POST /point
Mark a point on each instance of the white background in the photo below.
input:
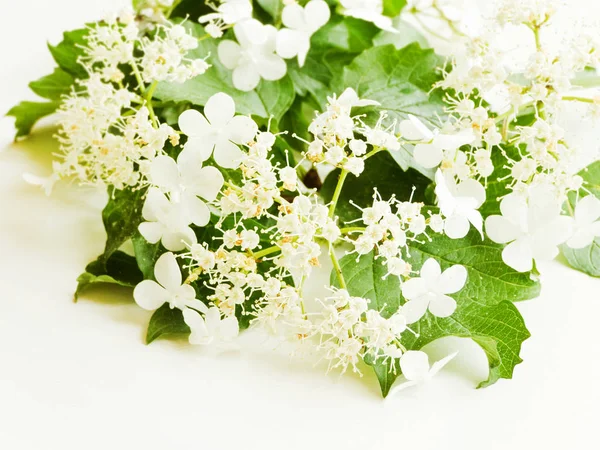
(78, 376)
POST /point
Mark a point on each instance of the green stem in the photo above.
(349, 230)
(574, 98)
(337, 192)
(138, 77)
(149, 94)
(337, 268)
(169, 11)
(373, 152)
(266, 251)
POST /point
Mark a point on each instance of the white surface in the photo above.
(78, 376)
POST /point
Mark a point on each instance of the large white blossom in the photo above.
(218, 132)
(301, 23)
(458, 204)
(185, 181)
(416, 370)
(370, 11)
(430, 291)
(531, 226)
(586, 226)
(253, 56)
(166, 221)
(211, 327)
(167, 288)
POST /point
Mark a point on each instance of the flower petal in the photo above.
(288, 43)
(414, 288)
(414, 129)
(193, 123)
(452, 280)
(246, 77)
(518, 255)
(428, 155)
(241, 129)
(167, 272)
(430, 271)
(587, 210)
(150, 295)
(271, 67)
(219, 109)
(205, 182)
(156, 205)
(151, 231)
(438, 365)
(202, 146)
(500, 230)
(229, 328)
(230, 53)
(414, 365)
(472, 189)
(456, 226)
(581, 238)
(164, 173)
(293, 16)
(442, 306)
(196, 208)
(227, 154)
(317, 14)
(414, 309)
(179, 240)
(199, 332)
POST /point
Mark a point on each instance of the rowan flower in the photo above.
(430, 291)
(253, 56)
(587, 222)
(218, 132)
(301, 24)
(167, 288)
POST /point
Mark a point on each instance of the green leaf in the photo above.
(381, 172)
(496, 185)
(270, 98)
(407, 34)
(586, 259)
(273, 7)
(400, 80)
(120, 269)
(484, 313)
(69, 50)
(166, 322)
(26, 114)
(146, 255)
(53, 86)
(121, 217)
(393, 7)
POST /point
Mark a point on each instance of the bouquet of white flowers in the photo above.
(243, 142)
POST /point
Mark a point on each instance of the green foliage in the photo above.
(146, 254)
(382, 173)
(485, 312)
(120, 268)
(586, 259)
(400, 80)
(26, 114)
(273, 7)
(270, 98)
(121, 217)
(166, 322)
(53, 86)
(393, 7)
(67, 52)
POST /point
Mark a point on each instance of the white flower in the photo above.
(459, 204)
(254, 57)
(370, 11)
(229, 12)
(415, 368)
(219, 132)
(430, 291)
(301, 23)
(167, 288)
(187, 180)
(166, 221)
(210, 328)
(532, 227)
(586, 223)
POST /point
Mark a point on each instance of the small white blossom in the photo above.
(415, 368)
(370, 11)
(167, 288)
(586, 226)
(211, 328)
